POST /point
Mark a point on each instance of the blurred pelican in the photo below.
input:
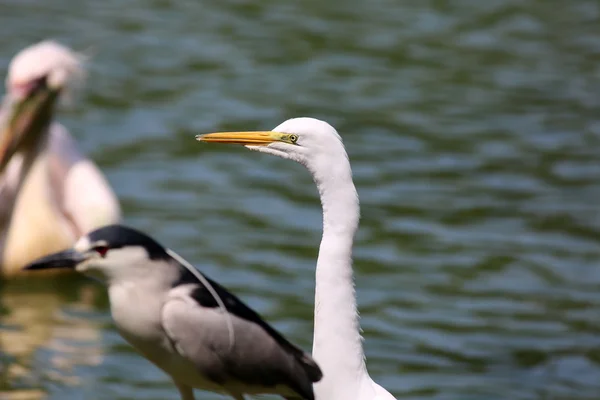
(50, 194)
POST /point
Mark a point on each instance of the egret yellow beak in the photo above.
(250, 138)
(258, 138)
(26, 122)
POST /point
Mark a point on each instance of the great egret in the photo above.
(337, 344)
(50, 194)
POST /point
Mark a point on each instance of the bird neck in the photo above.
(337, 344)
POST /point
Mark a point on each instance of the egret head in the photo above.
(309, 141)
(37, 76)
(111, 253)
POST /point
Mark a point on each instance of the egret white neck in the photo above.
(337, 345)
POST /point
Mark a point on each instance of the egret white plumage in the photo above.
(192, 328)
(50, 193)
(337, 345)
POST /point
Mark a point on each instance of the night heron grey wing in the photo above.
(257, 359)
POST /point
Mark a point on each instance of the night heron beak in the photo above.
(68, 259)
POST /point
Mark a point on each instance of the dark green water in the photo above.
(474, 134)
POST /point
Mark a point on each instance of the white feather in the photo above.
(337, 344)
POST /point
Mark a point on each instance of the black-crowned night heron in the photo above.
(50, 194)
(337, 345)
(192, 328)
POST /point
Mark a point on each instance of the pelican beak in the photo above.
(27, 120)
(250, 138)
(64, 259)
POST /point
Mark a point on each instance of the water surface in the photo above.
(474, 137)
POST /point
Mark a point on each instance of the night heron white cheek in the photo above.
(50, 193)
(192, 328)
(337, 343)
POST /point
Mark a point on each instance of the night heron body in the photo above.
(337, 342)
(196, 331)
(50, 193)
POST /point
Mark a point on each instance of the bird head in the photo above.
(309, 141)
(37, 76)
(111, 253)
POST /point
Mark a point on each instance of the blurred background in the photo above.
(474, 136)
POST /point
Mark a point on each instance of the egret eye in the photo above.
(102, 250)
(293, 138)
